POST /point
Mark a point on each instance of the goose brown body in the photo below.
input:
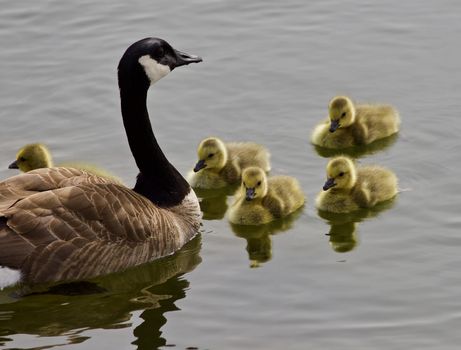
(59, 224)
(66, 224)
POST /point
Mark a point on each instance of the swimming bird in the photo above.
(221, 164)
(351, 125)
(261, 200)
(66, 224)
(32, 156)
(37, 155)
(349, 188)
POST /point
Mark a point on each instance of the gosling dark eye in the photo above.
(343, 115)
(341, 174)
(259, 183)
(22, 159)
(211, 155)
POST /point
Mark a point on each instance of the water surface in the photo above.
(387, 279)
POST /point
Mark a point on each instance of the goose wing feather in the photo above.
(61, 224)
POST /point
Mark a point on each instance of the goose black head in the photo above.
(150, 59)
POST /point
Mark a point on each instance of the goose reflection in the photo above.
(213, 203)
(358, 151)
(107, 302)
(258, 237)
(343, 235)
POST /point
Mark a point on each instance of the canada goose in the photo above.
(221, 164)
(67, 224)
(37, 155)
(351, 125)
(261, 200)
(349, 188)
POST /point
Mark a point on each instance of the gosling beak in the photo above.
(250, 194)
(200, 165)
(13, 165)
(329, 184)
(183, 58)
(334, 125)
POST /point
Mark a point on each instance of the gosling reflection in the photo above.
(343, 235)
(258, 237)
(213, 203)
(50, 311)
(259, 244)
(358, 151)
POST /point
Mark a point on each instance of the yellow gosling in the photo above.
(221, 164)
(261, 200)
(351, 125)
(349, 188)
(36, 155)
(32, 156)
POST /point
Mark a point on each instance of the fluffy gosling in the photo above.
(261, 200)
(221, 164)
(37, 155)
(349, 188)
(351, 125)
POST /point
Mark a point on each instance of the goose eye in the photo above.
(343, 115)
(160, 52)
(211, 155)
(22, 159)
(259, 183)
(341, 174)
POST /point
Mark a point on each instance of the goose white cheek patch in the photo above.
(154, 70)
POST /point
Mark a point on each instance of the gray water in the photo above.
(388, 279)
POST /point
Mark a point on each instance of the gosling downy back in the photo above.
(261, 200)
(221, 164)
(67, 224)
(349, 188)
(350, 125)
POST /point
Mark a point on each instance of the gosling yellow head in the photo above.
(32, 156)
(341, 111)
(341, 174)
(254, 183)
(212, 154)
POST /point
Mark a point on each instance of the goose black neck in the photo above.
(157, 180)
